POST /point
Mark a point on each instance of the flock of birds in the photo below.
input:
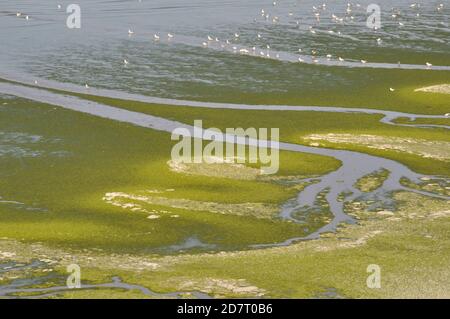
(275, 19)
(317, 11)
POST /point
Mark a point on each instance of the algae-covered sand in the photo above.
(90, 190)
(410, 246)
(147, 205)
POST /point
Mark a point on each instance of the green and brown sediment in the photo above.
(372, 181)
(98, 229)
(410, 245)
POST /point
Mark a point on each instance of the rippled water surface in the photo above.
(183, 67)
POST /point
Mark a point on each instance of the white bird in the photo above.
(340, 59)
(391, 89)
(130, 32)
(363, 61)
(429, 64)
(301, 60)
(228, 42)
(379, 40)
(329, 56)
(18, 14)
(205, 44)
(259, 36)
(59, 6)
(35, 82)
(210, 38)
(86, 86)
(315, 61)
(401, 24)
(236, 35)
(447, 114)
(156, 37)
(170, 35)
(125, 61)
(27, 18)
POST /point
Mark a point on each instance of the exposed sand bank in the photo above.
(441, 88)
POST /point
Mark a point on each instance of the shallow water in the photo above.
(183, 68)
(8, 291)
(23, 286)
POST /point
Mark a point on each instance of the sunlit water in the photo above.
(184, 68)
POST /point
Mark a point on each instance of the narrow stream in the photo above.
(19, 286)
(389, 116)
